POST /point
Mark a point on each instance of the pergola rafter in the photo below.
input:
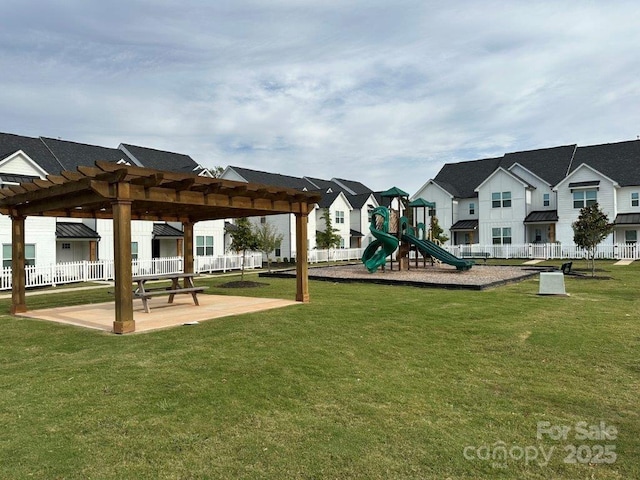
(125, 193)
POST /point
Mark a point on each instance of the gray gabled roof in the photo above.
(328, 199)
(550, 164)
(324, 185)
(71, 155)
(33, 147)
(460, 179)
(353, 187)
(358, 201)
(274, 179)
(618, 161)
(74, 230)
(160, 159)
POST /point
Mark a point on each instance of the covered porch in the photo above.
(540, 226)
(123, 193)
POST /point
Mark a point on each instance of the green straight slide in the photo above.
(427, 247)
(376, 253)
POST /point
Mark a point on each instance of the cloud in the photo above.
(382, 92)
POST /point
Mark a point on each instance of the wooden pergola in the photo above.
(124, 193)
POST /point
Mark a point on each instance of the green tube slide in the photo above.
(376, 253)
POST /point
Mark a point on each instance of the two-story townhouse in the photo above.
(339, 208)
(534, 196)
(608, 174)
(453, 191)
(362, 204)
(331, 190)
(51, 240)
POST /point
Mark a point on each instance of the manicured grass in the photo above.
(367, 381)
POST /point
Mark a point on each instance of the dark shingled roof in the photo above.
(550, 164)
(33, 147)
(461, 179)
(618, 161)
(11, 178)
(356, 187)
(328, 199)
(355, 233)
(72, 155)
(542, 216)
(71, 230)
(275, 179)
(358, 201)
(164, 230)
(324, 185)
(465, 225)
(628, 219)
(161, 160)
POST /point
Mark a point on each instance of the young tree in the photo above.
(268, 240)
(242, 239)
(216, 171)
(591, 228)
(329, 238)
(437, 233)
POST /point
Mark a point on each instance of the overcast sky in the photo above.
(384, 92)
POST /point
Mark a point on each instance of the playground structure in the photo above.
(393, 231)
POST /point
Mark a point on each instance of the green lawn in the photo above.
(367, 381)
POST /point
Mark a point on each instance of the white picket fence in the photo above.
(548, 251)
(61, 273)
(334, 255)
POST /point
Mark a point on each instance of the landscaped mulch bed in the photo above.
(438, 276)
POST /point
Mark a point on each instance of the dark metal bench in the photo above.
(566, 268)
(476, 256)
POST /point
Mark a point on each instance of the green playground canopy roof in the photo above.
(394, 192)
(421, 202)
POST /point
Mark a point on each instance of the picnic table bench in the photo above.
(174, 289)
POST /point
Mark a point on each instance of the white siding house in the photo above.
(580, 188)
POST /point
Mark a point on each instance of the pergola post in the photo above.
(302, 267)
(188, 247)
(18, 274)
(124, 322)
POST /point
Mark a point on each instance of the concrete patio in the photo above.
(100, 316)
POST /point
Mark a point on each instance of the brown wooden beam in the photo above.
(18, 274)
(302, 266)
(152, 180)
(124, 322)
(188, 247)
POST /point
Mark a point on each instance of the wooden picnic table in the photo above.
(174, 289)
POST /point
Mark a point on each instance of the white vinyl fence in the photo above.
(548, 251)
(61, 273)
